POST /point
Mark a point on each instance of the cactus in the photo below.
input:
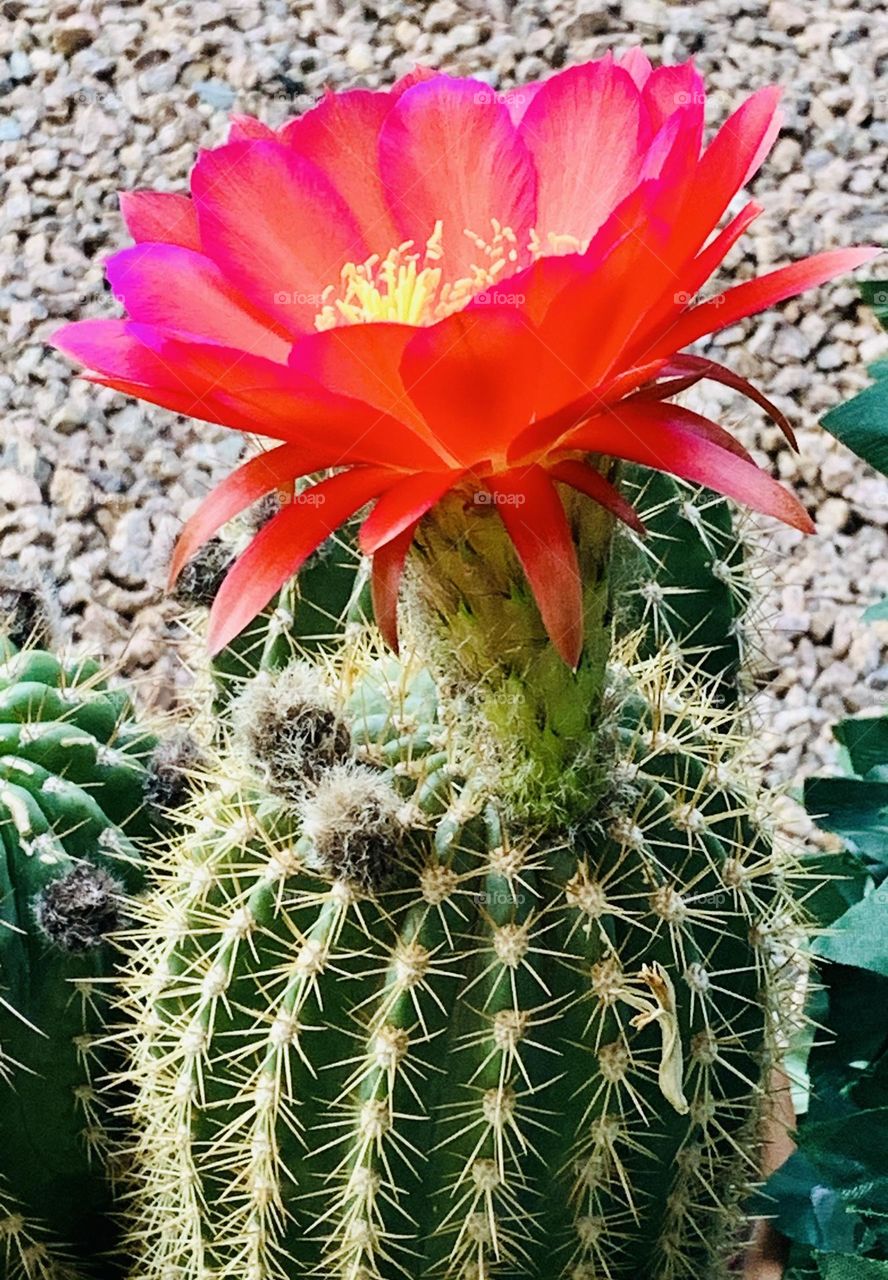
(463, 965)
(74, 768)
(312, 611)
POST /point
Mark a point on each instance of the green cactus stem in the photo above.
(74, 768)
(388, 1021)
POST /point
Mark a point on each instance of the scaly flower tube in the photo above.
(440, 287)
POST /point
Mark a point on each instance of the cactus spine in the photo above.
(488, 991)
(73, 768)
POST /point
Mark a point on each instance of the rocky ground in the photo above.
(98, 97)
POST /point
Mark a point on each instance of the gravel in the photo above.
(97, 97)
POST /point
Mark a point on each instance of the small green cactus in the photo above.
(406, 1003)
(74, 770)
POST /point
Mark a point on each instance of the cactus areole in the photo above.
(465, 966)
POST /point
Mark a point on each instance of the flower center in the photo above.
(408, 285)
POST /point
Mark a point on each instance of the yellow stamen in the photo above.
(407, 285)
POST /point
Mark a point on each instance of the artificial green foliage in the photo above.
(862, 423)
(831, 1197)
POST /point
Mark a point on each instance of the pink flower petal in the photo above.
(587, 135)
(341, 136)
(670, 89)
(279, 550)
(176, 288)
(164, 217)
(448, 151)
(275, 225)
(637, 63)
(249, 129)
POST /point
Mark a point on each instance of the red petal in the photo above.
(385, 582)
(238, 491)
(476, 378)
(285, 404)
(449, 151)
(403, 506)
(664, 437)
(161, 216)
(275, 225)
(530, 508)
(701, 367)
(726, 164)
(363, 361)
(755, 295)
(692, 276)
(580, 476)
(656, 413)
(281, 548)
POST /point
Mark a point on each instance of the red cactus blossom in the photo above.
(443, 287)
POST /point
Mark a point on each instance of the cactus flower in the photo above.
(443, 288)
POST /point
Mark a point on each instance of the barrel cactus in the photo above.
(75, 771)
(390, 1016)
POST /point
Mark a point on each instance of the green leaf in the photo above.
(837, 881)
(845, 1062)
(877, 612)
(854, 808)
(806, 1210)
(862, 425)
(860, 937)
(846, 1266)
(865, 738)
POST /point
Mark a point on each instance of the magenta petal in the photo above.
(249, 129)
(341, 136)
(276, 226)
(449, 152)
(587, 135)
(176, 288)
